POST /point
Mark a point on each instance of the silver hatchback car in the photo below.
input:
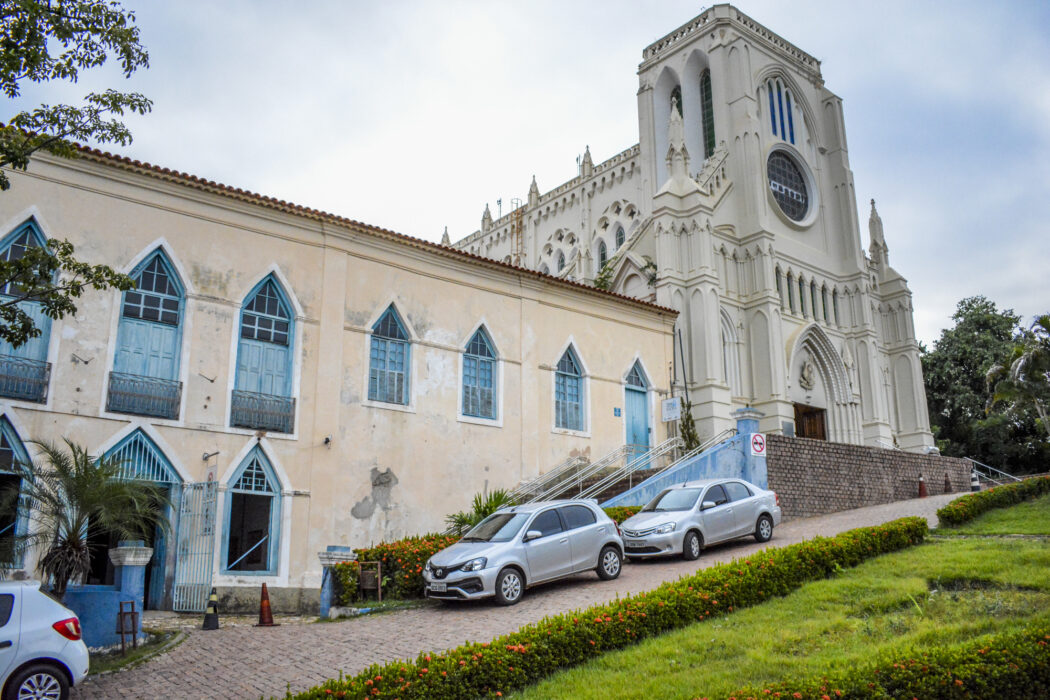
(685, 518)
(521, 546)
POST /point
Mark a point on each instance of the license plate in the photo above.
(439, 587)
(634, 543)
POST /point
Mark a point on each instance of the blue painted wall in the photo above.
(731, 459)
(97, 606)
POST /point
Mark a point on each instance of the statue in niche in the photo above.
(807, 378)
(848, 363)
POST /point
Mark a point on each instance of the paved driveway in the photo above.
(249, 662)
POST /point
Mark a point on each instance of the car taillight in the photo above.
(70, 629)
(776, 497)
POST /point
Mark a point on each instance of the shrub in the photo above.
(402, 566)
(621, 513)
(968, 507)
(533, 652)
(1011, 665)
(482, 507)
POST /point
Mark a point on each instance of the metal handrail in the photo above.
(632, 466)
(561, 481)
(541, 481)
(989, 477)
(709, 443)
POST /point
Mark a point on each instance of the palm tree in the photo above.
(70, 490)
(1025, 377)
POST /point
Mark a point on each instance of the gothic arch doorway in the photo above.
(820, 389)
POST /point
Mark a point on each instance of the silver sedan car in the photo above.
(521, 546)
(685, 518)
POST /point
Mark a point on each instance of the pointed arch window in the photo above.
(568, 392)
(149, 339)
(603, 255)
(14, 511)
(142, 460)
(835, 305)
(262, 395)
(824, 303)
(560, 261)
(813, 300)
(24, 371)
(780, 288)
(620, 237)
(781, 117)
(791, 292)
(389, 360)
(801, 296)
(251, 539)
(635, 378)
(707, 114)
(479, 377)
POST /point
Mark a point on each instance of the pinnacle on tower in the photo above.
(445, 240)
(534, 193)
(486, 219)
(878, 249)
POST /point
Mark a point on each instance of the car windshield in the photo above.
(498, 527)
(673, 499)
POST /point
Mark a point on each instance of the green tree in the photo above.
(954, 373)
(45, 40)
(70, 490)
(1023, 379)
(41, 41)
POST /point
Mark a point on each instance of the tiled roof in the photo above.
(210, 186)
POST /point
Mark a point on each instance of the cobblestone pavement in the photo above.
(240, 661)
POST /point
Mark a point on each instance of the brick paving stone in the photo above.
(250, 662)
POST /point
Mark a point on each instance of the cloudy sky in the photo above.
(412, 114)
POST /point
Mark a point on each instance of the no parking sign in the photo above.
(758, 445)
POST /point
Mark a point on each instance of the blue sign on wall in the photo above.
(616, 412)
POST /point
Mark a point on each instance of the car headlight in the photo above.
(427, 566)
(664, 529)
(475, 564)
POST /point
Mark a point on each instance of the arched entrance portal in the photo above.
(820, 389)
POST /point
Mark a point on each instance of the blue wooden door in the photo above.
(263, 368)
(637, 417)
(147, 349)
(36, 348)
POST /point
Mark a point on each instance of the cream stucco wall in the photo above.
(388, 470)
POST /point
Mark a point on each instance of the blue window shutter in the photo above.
(264, 349)
(389, 360)
(13, 247)
(479, 377)
(568, 393)
(150, 332)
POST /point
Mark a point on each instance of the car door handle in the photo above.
(4, 645)
(563, 540)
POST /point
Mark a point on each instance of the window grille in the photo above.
(254, 478)
(140, 459)
(479, 378)
(635, 377)
(388, 361)
(156, 297)
(16, 249)
(266, 317)
(568, 393)
(620, 236)
(603, 255)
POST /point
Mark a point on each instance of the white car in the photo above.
(41, 653)
(685, 518)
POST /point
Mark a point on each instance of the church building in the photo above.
(737, 209)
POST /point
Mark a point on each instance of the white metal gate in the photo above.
(196, 546)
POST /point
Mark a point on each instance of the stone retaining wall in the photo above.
(813, 477)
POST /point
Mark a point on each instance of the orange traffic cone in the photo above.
(922, 490)
(265, 614)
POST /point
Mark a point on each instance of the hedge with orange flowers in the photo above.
(968, 507)
(1013, 665)
(535, 651)
(402, 566)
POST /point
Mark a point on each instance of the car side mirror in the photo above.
(708, 504)
(533, 535)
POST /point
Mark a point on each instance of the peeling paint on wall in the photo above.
(382, 483)
(356, 318)
(211, 281)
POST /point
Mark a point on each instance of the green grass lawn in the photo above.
(939, 593)
(1029, 518)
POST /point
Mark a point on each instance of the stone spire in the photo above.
(534, 193)
(445, 240)
(587, 167)
(878, 250)
(678, 181)
(486, 219)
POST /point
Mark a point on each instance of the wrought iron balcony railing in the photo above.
(143, 396)
(24, 379)
(262, 411)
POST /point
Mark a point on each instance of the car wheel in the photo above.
(763, 528)
(692, 546)
(510, 586)
(39, 681)
(609, 563)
